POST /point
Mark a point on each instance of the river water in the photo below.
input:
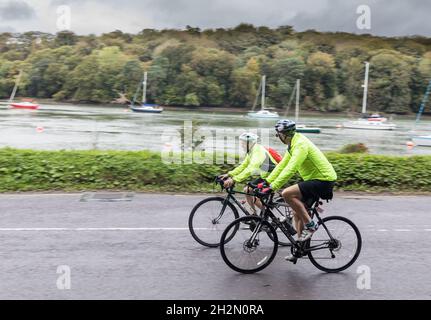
(69, 127)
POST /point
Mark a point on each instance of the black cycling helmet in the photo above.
(287, 127)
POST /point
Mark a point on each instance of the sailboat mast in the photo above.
(263, 91)
(144, 91)
(365, 85)
(15, 88)
(298, 91)
(423, 104)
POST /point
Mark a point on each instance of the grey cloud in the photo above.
(7, 29)
(389, 18)
(16, 10)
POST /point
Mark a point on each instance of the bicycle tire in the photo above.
(205, 242)
(355, 256)
(236, 224)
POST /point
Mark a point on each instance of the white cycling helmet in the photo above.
(249, 137)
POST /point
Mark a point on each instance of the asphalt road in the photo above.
(142, 249)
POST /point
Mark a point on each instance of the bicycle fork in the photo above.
(217, 219)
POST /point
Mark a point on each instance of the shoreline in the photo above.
(217, 109)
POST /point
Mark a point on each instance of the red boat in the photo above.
(25, 105)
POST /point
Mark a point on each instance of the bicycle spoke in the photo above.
(208, 224)
(341, 250)
(248, 251)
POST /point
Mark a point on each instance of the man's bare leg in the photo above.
(293, 197)
(299, 226)
(252, 201)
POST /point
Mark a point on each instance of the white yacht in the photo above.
(264, 113)
(369, 122)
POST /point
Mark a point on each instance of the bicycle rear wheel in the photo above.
(249, 245)
(339, 252)
(207, 222)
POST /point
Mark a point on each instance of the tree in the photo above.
(349, 82)
(192, 100)
(98, 77)
(282, 75)
(389, 82)
(320, 78)
(130, 77)
(65, 38)
(338, 103)
(220, 67)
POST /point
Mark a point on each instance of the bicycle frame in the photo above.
(231, 198)
(299, 246)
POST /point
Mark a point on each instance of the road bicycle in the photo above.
(249, 244)
(210, 217)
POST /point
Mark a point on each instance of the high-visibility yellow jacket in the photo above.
(257, 163)
(304, 157)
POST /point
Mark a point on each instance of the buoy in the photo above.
(40, 129)
(339, 126)
(410, 145)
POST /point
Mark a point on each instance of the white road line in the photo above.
(144, 229)
(97, 229)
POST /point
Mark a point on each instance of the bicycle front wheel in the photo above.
(209, 218)
(336, 245)
(249, 244)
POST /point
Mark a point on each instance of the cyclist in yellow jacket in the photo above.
(258, 164)
(319, 176)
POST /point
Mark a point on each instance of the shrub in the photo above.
(354, 148)
(26, 170)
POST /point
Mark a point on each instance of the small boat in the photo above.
(376, 117)
(369, 122)
(365, 124)
(145, 107)
(24, 105)
(422, 141)
(301, 128)
(264, 112)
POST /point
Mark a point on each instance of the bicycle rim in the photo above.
(206, 225)
(346, 245)
(245, 253)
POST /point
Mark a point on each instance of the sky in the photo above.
(387, 17)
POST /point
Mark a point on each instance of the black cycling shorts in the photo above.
(315, 189)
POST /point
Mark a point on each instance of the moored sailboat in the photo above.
(369, 122)
(26, 104)
(145, 107)
(264, 112)
(422, 140)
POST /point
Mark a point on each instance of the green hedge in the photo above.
(26, 170)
